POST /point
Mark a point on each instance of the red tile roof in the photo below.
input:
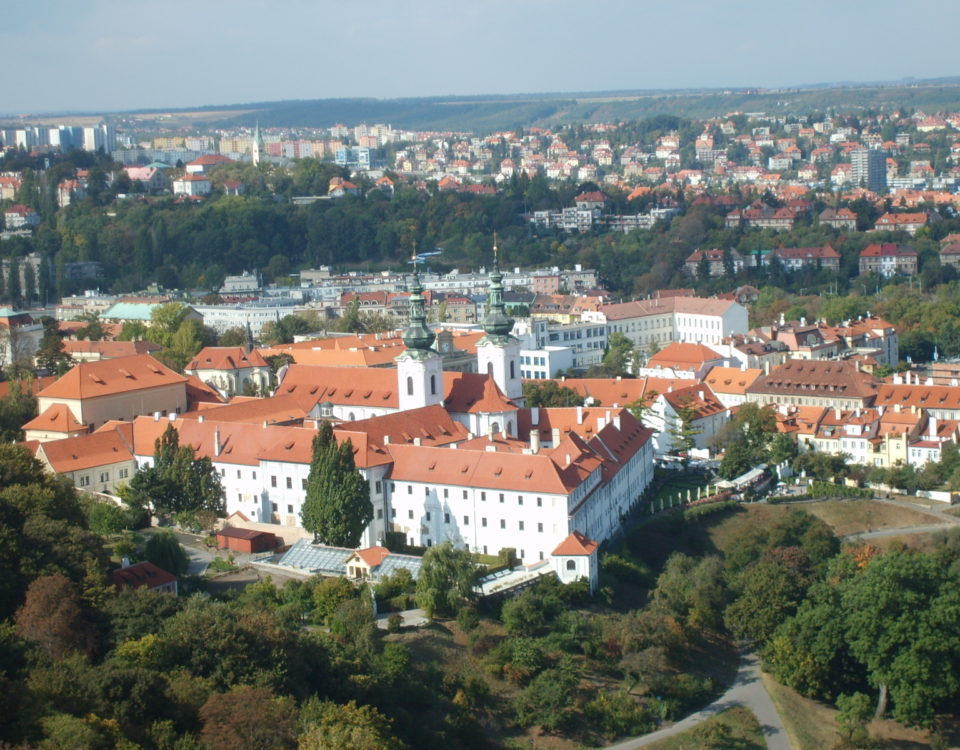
(226, 358)
(576, 544)
(141, 575)
(106, 377)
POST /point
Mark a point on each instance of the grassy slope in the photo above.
(742, 733)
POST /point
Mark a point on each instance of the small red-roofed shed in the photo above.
(248, 541)
(575, 558)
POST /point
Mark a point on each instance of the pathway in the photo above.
(747, 690)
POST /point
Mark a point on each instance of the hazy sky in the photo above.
(98, 55)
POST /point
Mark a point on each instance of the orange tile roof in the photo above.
(373, 556)
(506, 471)
(110, 349)
(682, 356)
(621, 391)
(36, 385)
(472, 393)
(431, 425)
(106, 377)
(576, 544)
(87, 451)
(56, 418)
(199, 393)
(226, 358)
(350, 386)
(731, 380)
(276, 410)
(699, 398)
(140, 575)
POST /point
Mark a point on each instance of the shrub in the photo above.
(708, 509)
(468, 619)
(394, 622)
(617, 714)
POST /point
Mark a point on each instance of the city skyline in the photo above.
(104, 56)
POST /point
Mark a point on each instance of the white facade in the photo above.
(420, 380)
(502, 361)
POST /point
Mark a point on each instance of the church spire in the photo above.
(417, 336)
(497, 323)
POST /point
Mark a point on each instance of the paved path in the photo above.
(895, 532)
(747, 690)
(409, 618)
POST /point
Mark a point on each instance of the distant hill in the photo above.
(488, 113)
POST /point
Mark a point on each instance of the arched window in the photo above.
(495, 427)
(409, 386)
(571, 564)
(433, 385)
(490, 368)
(352, 417)
(512, 373)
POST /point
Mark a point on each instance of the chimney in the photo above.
(172, 416)
(601, 423)
(743, 367)
(766, 367)
(616, 421)
(619, 378)
(534, 415)
(569, 461)
(416, 441)
(156, 416)
(836, 413)
(896, 408)
(579, 415)
(897, 380)
(933, 426)
(386, 440)
(555, 436)
(534, 441)
(200, 419)
(216, 441)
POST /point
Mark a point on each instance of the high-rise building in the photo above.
(869, 168)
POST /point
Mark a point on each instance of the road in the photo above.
(747, 690)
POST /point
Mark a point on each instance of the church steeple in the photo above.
(497, 323)
(257, 151)
(417, 336)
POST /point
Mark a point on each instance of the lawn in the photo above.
(736, 728)
(852, 516)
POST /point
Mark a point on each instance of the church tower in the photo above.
(257, 149)
(419, 368)
(498, 353)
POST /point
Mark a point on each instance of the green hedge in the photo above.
(826, 489)
(708, 509)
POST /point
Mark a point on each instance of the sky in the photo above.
(116, 55)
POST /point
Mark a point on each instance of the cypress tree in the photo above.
(337, 505)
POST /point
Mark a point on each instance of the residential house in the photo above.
(232, 370)
(907, 222)
(888, 259)
(823, 383)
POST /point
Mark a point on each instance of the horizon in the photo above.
(105, 57)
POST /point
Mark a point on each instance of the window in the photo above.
(410, 514)
(393, 486)
(409, 489)
(409, 386)
(289, 483)
(273, 481)
(303, 484)
(539, 502)
(485, 549)
(483, 496)
(464, 494)
(380, 513)
(483, 522)
(426, 491)
(378, 487)
(223, 472)
(393, 513)
(289, 508)
(104, 476)
(238, 473)
(503, 524)
(239, 498)
(540, 527)
(433, 385)
(571, 565)
(519, 499)
(466, 520)
(446, 493)
(273, 507)
(254, 474)
(513, 374)
(501, 497)
(446, 518)
(521, 525)
(428, 515)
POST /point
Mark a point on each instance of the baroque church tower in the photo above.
(420, 367)
(498, 352)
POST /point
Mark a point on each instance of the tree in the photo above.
(236, 336)
(178, 481)
(522, 615)
(50, 355)
(337, 505)
(336, 725)
(52, 617)
(17, 408)
(133, 330)
(329, 594)
(547, 700)
(549, 393)
(165, 320)
(618, 359)
(164, 551)
(446, 580)
(683, 429)
(903, 624)
(249, 718)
